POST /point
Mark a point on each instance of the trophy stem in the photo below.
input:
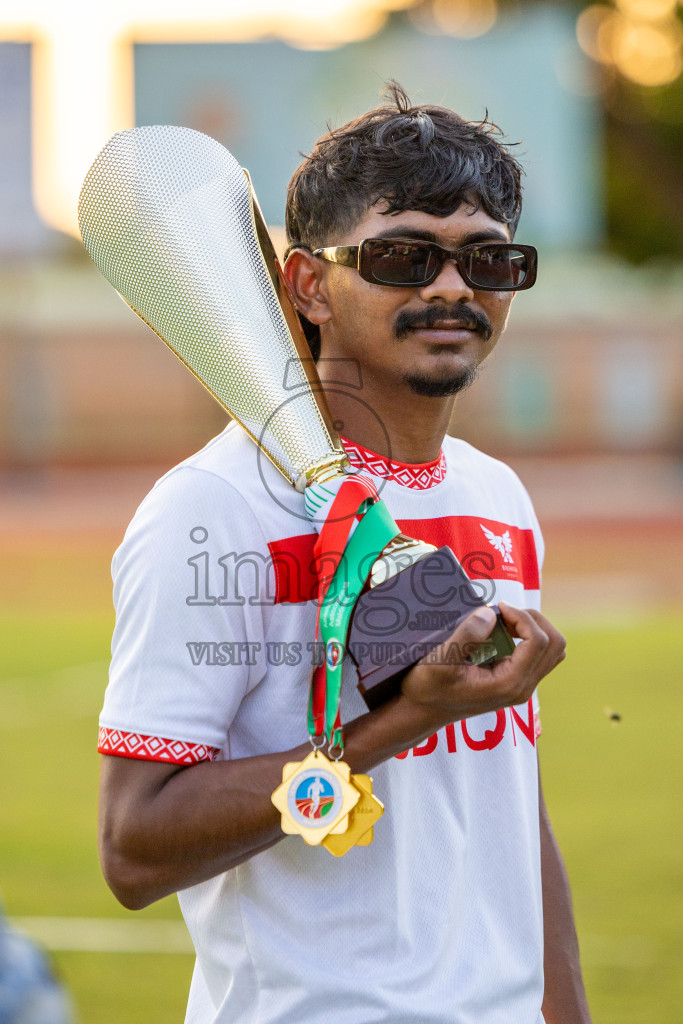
(322, 471)
(292, 320)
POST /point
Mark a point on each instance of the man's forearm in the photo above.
(163, 829)
(564, 999)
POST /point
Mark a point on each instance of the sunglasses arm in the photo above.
(347, 255)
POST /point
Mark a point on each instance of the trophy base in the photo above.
(402, 620)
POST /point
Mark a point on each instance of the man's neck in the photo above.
(403, 426)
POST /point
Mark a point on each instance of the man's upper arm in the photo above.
(127, 788)
(170, 699)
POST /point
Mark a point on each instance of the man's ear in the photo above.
(305, 280)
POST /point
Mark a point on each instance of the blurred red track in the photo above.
(613, 531)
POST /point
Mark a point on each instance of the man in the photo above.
(451, 912)
(30, 992)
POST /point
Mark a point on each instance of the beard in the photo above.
(436, 386)
(451, 382)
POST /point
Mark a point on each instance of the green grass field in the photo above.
(613, 789)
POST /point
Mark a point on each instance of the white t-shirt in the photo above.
(439, 919)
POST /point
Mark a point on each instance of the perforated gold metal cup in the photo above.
(171, 220)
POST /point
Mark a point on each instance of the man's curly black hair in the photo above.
(425, 158)
(412, 158)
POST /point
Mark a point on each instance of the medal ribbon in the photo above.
(356, 493)
(373, 533)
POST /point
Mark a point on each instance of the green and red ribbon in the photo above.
(345, 566)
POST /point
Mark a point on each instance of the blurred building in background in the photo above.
(591, 361)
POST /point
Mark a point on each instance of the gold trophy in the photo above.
(171, 220)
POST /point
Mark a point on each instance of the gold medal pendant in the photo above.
(367, 811)
(315, 797)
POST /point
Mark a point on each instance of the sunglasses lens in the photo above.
(407, 263)
(497, 267)
(494, 266)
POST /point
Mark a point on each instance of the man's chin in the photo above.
(442, 385)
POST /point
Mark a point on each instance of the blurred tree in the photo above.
(644, 157)
(637, 48)
(643, 137)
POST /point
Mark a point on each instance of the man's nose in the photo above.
(447, 285)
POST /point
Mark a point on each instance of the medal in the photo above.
(359, 832)
(318, 798)
(315, 797)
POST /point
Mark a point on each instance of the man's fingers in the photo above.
(528, 656)
(519, 621)
(544, 646)
(444, 677)
(547, 627)
(557, 647)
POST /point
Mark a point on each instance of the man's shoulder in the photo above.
(231, 460)
(482, 481)
(228, 456)
(229, 482)
(464, 457)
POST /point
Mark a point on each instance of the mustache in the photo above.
(472, 319)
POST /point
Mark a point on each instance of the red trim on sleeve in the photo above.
(153, 748)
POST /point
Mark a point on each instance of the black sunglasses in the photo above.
(412, 263)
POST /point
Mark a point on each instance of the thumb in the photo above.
(472, 631)
(476, 627)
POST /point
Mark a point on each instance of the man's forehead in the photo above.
(467, 221)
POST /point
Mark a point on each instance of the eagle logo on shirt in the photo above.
(503, 544)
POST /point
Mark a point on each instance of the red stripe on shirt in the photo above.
(505, 552)
(487, 548)
(294, 568)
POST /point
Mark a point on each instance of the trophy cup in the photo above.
(171, 220)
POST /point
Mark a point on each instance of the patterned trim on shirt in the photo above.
(153, 748)
(419, 477)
